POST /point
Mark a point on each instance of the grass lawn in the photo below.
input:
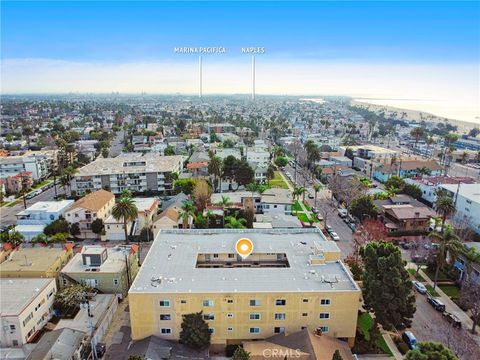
(365, 323)
(39, 185)
(278, 182)
(297, 206)
(431, 291)
(441, 275)
(416, 277)
(302, 217)
(451, 291)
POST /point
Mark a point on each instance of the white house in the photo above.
(277, 201)
(26, 309)
(32, 221)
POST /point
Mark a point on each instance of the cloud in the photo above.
(452, 89)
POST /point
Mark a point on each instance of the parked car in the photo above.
(335, 236)
(314, 210)
(311, 196)
(410, 339)
(31, 195)
(319, 217)
(328, 228)
(453, 319)
(436, 303)
(342, 212)
(419, 287)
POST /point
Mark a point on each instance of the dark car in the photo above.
(453, 319)
(436, 303)
(100, 348)
(410, 339)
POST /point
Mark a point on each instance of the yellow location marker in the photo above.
(244, 247)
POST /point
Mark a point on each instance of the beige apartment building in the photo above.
(84, 211)
(110, 270)
(26, 307)
(293, 280)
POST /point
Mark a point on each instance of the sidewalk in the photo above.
(391, 345)
(449, 304)
(290, 187)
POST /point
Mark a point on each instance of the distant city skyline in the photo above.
(425, 51)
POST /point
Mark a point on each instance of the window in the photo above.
(165, 317)
(305, 300)
(230, 329)
(230, 301)
(208, 303)
(208, 317)
(323, 329)
(254, 302)
(255, 316)
(211, 330)
(280, 302)
(64, 281)
(215, 256)
(15, 342)
(324, 301)
(324, 316)
(115, 281)
(231, 256)
(165, 331)
(183, 301)
(165, 303)
(304, 314)
(278, 329)
(230, 315)
(12, 327)
(254, 330)
(280, 316)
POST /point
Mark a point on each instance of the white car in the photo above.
(419, 287)
(335, 236)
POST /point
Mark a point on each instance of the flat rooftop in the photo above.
(37, 259)
(115, 260)
(146, 163)
(469, 191)
(22, 291)
(47, 206)
(173, 258)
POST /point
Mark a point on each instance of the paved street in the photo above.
(8, 213)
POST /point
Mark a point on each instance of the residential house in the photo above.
(19, 182)
(277, 200)
(407, 218)
(32, 220)
(84, 211)
(406, 169)
(39, 163)
(467, 204)
(26, 309)
(110, 270)
(36, 262)
(468, 269)
(168, 219)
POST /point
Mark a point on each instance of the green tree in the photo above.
(470, 300)
(448, 243)
(224, 203)
(316, 188)
(169, 151)
(69, 298)
(394, 183)
(417, 133)
(387, 289)
(281, 161)
(430, 351)
(97, 227)
(270, 173)
(215, 169)
(126, 210)
(412, 190)
(244, 174)
(241, 354)
(195, 332)
(362, 207)
(40, 239)
(337, 356)
(14, 238)
(187, 211)
(59, 238)
(75, 229)
(299, 191)
(58, 226)
(445, 207)
(234, 223)
(184, 185)
(136, 357)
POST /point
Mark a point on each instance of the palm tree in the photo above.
(40, 239)
(126, 210)
(317, 171)
(316, 188)
(445, 207)
(14, 238)
(234, 223)
(187, 211)
(215, 169)
(253, 187)
(66, 178)
(448, 244)
(464, 157)
(430, 141)
(423, 171)
(224, 203)
(417, 133)
(270, 173)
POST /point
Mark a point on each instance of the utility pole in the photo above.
(200, 84)
(253, 77)
(85, 301)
